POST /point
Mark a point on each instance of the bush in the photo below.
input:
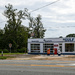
(5, 51)
(22, 50)
(1, 50)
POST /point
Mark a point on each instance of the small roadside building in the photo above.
(40, 46)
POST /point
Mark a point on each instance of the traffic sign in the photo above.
(10, 45)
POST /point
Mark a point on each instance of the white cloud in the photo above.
(59, 31)
(63, 21)
(64, 7)
(61, 13)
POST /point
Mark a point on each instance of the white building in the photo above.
(40, 46)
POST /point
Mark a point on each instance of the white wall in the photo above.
(41, 47)
(29, 48)
(63, 48)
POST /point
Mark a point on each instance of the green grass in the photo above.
(9, 55)
(3, 57)
(12, 53)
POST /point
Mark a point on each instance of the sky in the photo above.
(58, 19)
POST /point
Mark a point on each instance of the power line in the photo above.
(40, 8)
(45, 6)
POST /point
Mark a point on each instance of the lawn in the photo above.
(5, 57)
(10, 55)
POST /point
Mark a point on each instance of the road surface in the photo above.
(37, 67)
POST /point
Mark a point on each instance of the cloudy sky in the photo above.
(58, 19)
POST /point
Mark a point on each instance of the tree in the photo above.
(1, 38)
(37, 27)
(15, 32)
(70, 35)
(60, 37)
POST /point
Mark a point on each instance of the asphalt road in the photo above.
(37, 67)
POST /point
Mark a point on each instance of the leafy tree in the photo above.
(15, 32)
(70, 35)
(1, 38)
(60, 37)
(1, 32)
(37, 27)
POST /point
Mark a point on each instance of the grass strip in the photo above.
(3, 57)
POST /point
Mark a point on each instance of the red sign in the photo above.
(55, 45)
(10, 45)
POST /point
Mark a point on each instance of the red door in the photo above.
(55, 51)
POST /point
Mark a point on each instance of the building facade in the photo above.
(40, 46)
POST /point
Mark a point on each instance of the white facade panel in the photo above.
(41, 47)
(29, 48)
(63, 47)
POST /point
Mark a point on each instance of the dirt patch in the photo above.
(44, 57)
(66, 57)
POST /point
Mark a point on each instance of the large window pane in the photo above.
(35, 48)
(46, 46)
(69, 47)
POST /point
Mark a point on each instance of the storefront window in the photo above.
(35, 48)
(46, 46)
(69, 47)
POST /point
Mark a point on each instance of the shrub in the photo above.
(1, 50)
(5, 51)
(22, 50)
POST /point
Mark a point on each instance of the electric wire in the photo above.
(39, 8)
(45, 6)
